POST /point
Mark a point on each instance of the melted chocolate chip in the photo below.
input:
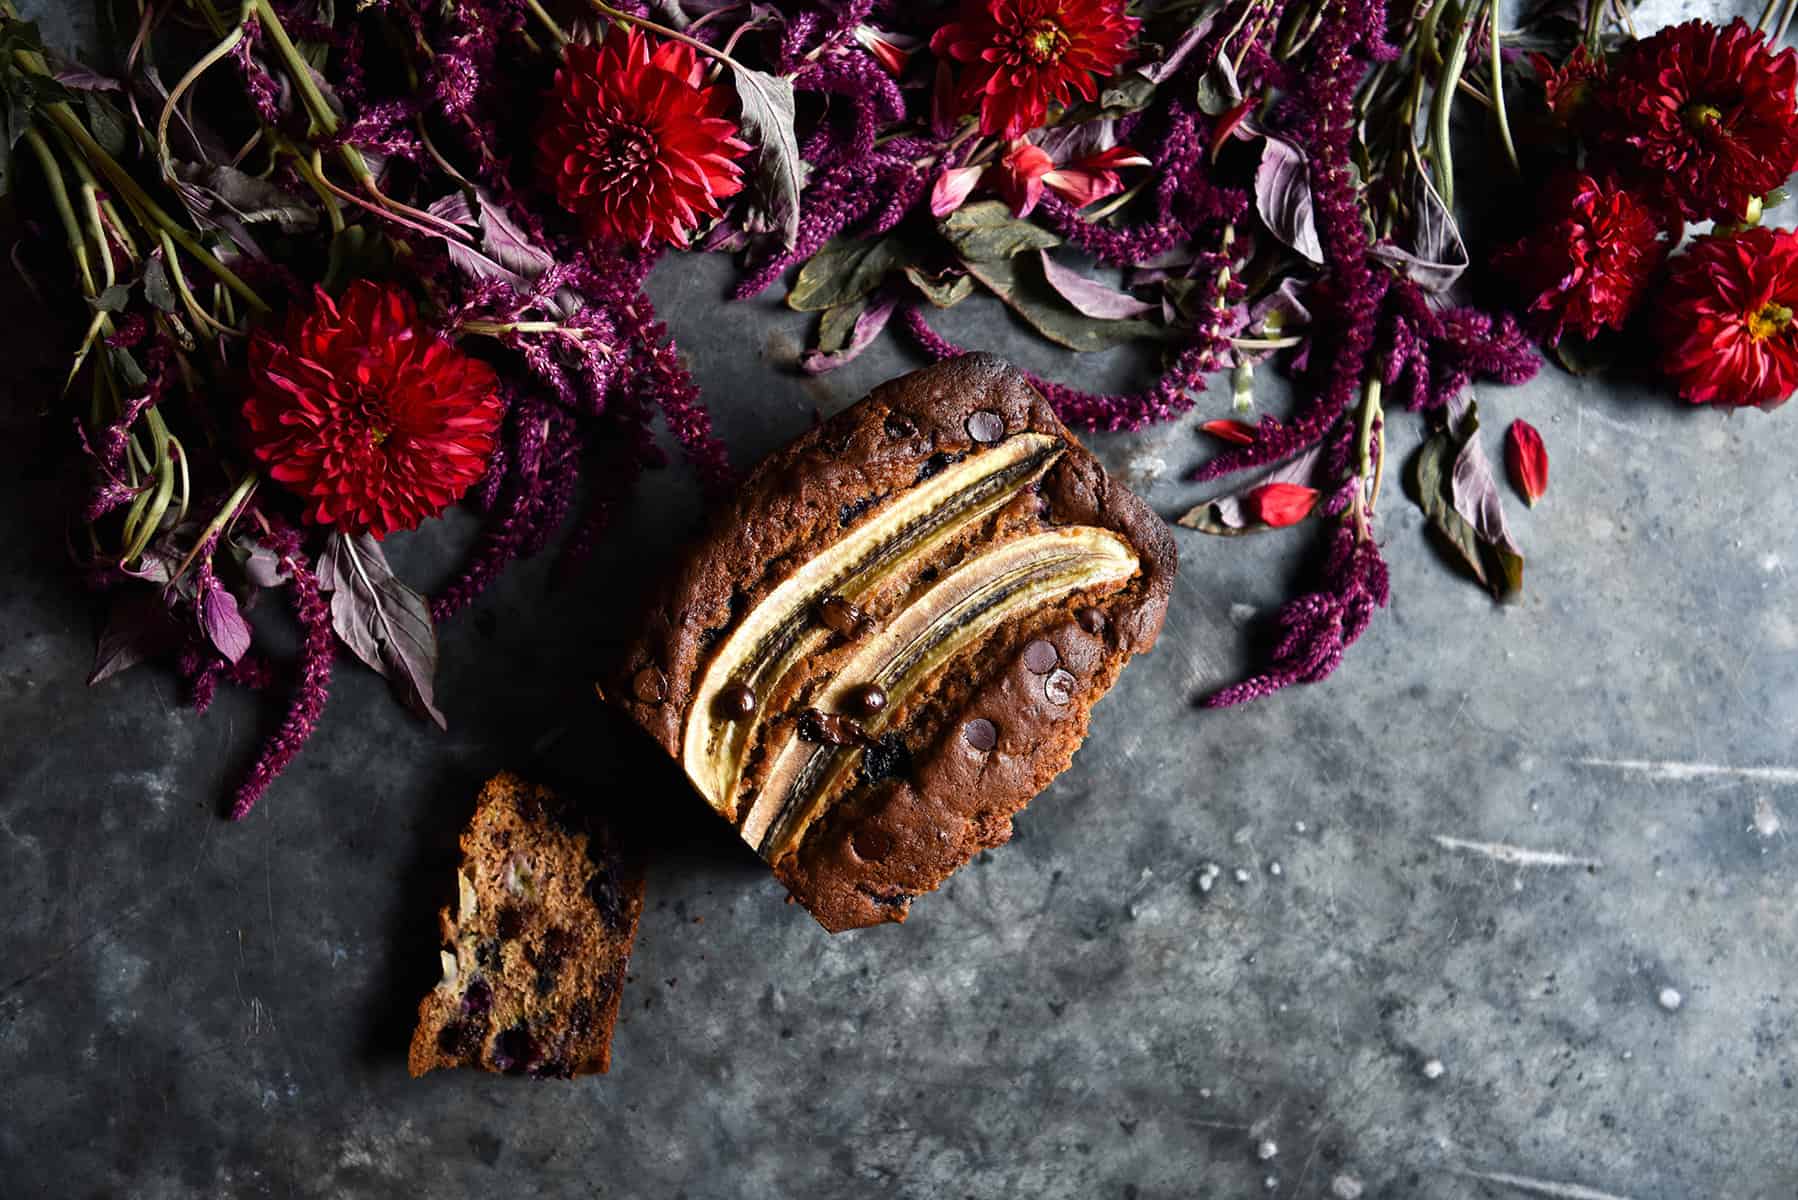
(1091, 620)
(529, 806)
(985, 426)
(936, 462)
(459, 1039)
(487, 954)
(981, 734)
(478, 998)
(867, 700)
(580, 1017)
(830, 729)
(898, 425)
(843, 618)
(1040, 657)
(515, 1049)
(736, 702)
(603, 890)
(885, 759)
(511, 922)
(1059, 687)
(848, 513)
(649, 686)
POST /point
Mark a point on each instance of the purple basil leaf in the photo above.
(1089, 297)
(1178, 53)
(767, 124)
(82, 78)
(1477, 497)
(384, 623)
(261, 565)
(1219, 91)
(1071, 143)
(1433, 255)
(1283, 198)
(223, 624)
(138, 628)
(1225, 514)
(216, 194)
(867, 327)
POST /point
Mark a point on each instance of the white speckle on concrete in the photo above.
(1242, 876)
(1671, 999)
(1298, 827)
(1204, 1093)
(1433, 1069)
(1208, 873)
(1345, 1187)
(1271, 1182)
(1766, 817)
(1242, 614)
(1274, 868)
(1266, 1148)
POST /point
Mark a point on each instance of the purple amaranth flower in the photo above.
(1431, 354)
(317, 648)
(264, 92)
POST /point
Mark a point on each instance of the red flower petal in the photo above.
(1280, 504)
(1237, 433)
(1526, 460)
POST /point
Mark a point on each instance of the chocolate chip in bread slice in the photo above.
(892, 639)
(536, 945)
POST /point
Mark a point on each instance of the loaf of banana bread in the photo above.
(890, 642)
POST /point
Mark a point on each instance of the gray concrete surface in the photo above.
(190, 1008)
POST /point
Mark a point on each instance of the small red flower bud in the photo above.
(1526, 460)
(1281, 504)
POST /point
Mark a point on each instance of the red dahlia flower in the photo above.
(1586, 267)
(1709, 110)
(1569, 86)
(1017, 55)
(1726, 319)
(633, 144)
(1025, 169)
(370, 417)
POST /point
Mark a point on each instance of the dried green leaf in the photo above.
(837, 324)
(987, 232)
(1460, 499)
(1021, 285)
(944, 291)
(844, 271)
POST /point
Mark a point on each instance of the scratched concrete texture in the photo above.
(1505, 908)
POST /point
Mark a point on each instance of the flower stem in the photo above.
(1442, 162)
(1367, 458)
(549, 22)
(1498, 90)
(240, 495)
(207, 61)
(663, 31)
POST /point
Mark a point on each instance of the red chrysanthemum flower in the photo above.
(1568, 87)
(633, 144)
(1726, 319)
(365, 413)
(1017, 55)
(1710, 111)
(1586, 267)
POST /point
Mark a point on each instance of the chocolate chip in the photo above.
(649, 686)
(511, 922)
(843, 618)
(1040, 657)
(736, 702)
(487, 954)
(867, 700)
(900, 426)
(985, 426)
(1091, 620)
(830, 729)
(981, 734)
(514, 1050)
(1059, 687)
(935, 463)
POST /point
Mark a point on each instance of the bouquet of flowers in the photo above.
(363, 261)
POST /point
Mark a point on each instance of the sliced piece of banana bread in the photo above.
(536, 946)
